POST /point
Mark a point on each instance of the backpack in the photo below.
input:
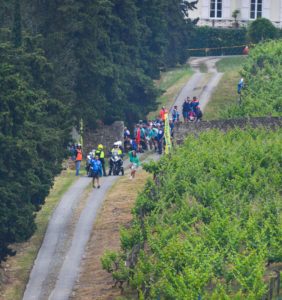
(95, 166)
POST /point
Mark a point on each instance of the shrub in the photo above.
(261, 29)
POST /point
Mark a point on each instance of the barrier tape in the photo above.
(218, 48)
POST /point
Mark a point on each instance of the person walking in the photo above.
(96, 171)
(163, 112)
(175, 114)
(186, 107)
(100, 152)
(135, 163)
(78, 159)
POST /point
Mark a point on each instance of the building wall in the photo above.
(271, 9)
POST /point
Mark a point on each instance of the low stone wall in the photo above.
(105, 135)
(183, 130)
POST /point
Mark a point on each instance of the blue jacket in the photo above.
(96, 166)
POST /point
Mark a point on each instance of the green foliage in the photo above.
(211, 221)
(33, 135)
(105, 53)
(263, 79)
(17, 26)
(209, 37)
(73, 60)
(261, 29)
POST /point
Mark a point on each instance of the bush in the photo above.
(261, 29)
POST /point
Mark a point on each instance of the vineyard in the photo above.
(209, 225)
(262, 73)
(210, 222)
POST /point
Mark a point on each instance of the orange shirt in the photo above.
(163, 112)
(78, 154)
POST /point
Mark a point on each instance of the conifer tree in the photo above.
(17, 25)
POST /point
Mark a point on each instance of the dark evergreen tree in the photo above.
(90, 59)
(34, 131)
(17, 25)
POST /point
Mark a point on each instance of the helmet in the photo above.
(100, 147)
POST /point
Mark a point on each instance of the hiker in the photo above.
(195, 103)
(163, 112)
(198, 113)
(135, 163)
(78, 159)
(186, 108)
(126, 133)
(175, 114)
(100, 152)
(96, 171)
(240, 85)
(138, 138)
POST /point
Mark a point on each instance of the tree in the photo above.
(235, 14)
(17, 25)
(261, 29)
(34, 131)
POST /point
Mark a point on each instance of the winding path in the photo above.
(200, 84)
(58, 262)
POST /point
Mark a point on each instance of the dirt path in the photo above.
(57, 265)
(200, 84)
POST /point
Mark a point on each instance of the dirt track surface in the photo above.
(57, 265)
(200, 84)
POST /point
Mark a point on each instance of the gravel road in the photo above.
(200, 84)
(58, 261)
(57, 264)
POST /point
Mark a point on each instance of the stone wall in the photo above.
(105, 135)
(183, 130)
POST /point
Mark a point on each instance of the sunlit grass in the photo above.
(226, 92)
(170, 84)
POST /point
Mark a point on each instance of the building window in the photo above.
(256, 9)
(216, 9)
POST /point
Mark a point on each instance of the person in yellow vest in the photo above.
(101, 154)
(78, 159)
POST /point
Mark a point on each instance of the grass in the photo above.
(227, 64)
(94, 282)
(19, 266)
(226, 92)
(170, 84)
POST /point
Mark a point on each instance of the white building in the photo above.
(219, 12)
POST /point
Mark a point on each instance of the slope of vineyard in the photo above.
(262, 74)
(210, 223)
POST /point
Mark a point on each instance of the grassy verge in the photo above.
(226, 91)
(230, 63)
(94, 282)
(18, 267)
(171, 83)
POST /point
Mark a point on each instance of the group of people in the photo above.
(146, 135)
(191, 110)
(149, 135)
(96, 161)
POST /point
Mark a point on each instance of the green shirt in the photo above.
(134, 159)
